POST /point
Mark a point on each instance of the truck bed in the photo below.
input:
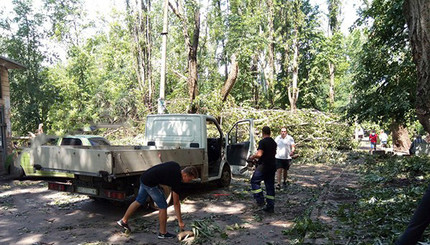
(112, 160)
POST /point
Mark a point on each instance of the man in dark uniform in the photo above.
(419, 222)
(265, 171)
(169, 174)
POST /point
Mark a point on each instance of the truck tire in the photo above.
(167, 193)
(225, 179)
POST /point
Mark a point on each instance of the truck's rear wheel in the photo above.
(167, 194)
(225, 179)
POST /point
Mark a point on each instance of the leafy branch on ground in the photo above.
(391, 188)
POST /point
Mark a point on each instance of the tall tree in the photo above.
(190, 19)
(298, 22)
(385, 80)
(271, 50)
(417, 13)
(243, 27)
(334, 7)
(313, 66)
(67, 20)
(140, 26)
(31, 94)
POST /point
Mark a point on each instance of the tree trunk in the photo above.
(401, 140)
(271, 52)
(192, 59)
(254, 73)
(192, 50)
(293, 90)
(417, 14)
(140, 25)
(231, 80)
(148, 54)
(334, 7)
(331, 69)
(224, 57)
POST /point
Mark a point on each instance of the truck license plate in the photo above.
(86, 190)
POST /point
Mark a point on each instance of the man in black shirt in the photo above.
(265, 171)
(169, 174)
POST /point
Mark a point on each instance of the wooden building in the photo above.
(5, 122)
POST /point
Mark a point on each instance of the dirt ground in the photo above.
(31, 214)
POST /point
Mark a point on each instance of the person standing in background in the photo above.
(285, 149)
(373, 138)
(383, 137)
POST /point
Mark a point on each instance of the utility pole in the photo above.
(161, 101)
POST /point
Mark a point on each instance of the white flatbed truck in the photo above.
(113, 172)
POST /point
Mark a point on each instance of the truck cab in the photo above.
(191, 131)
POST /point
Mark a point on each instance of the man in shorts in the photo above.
(284, 151)
(169, 174)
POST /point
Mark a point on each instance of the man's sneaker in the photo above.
(123, 225)
(268, 209)
(167, 235)
(284, 184)
(278, 187)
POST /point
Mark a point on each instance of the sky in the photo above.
(97, 7)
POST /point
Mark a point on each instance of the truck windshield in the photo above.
(71, 141)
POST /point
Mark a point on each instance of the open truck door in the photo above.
(240, 145)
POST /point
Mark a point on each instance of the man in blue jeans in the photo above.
(169, 174)
(265, 171)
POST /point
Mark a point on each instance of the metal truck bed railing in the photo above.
(112, 160)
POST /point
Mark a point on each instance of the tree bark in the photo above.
(417, 14)
(192, 46)
(293, 90)
(148, 52)
(231, 80)
(331, 68)
(271, 51)
(140, 25)
(401, 140)
(334, 7)
(254, 73)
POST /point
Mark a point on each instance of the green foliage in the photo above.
(97, 86)
(98, 83)
(304, 226)
(384, 75)
(313, 132)
(31, 93)
(390, 190)
(65, 18)
(205, 229)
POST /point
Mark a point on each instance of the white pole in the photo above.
(161, 105)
